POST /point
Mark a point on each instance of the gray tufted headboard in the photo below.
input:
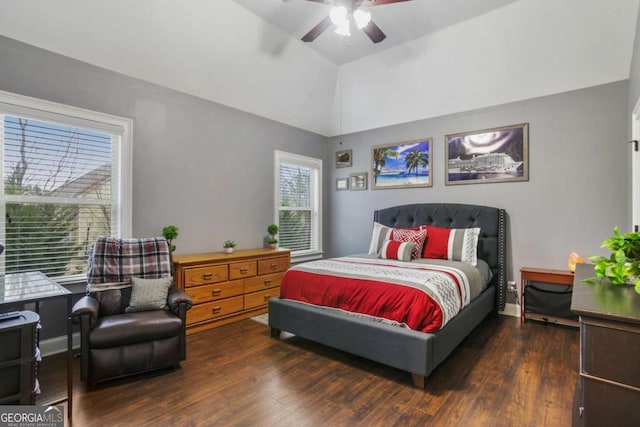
(492, 240)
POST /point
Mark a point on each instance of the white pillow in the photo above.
(380, 234)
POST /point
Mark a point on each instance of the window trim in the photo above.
(314, 164)
(40, 109)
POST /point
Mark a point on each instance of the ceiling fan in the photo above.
(340, 15)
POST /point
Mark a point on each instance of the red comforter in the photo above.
(423, 297)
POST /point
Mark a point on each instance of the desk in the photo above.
(34, 287)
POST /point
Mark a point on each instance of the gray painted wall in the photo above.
(202, 166)
(209, 169)
(576, 193)
(199, 165)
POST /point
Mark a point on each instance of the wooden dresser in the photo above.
(608, 391)
(226, 288)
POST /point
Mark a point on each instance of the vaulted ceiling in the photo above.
(440, 56)
(401, 22)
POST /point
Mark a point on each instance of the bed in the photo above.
(414, 351)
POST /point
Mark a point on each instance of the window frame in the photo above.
(48, 111)
(283, 157)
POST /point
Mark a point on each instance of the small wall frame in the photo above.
(344, 158)
(358, 181)
(342, 184)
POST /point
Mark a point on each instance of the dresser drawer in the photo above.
(599, 360)
(207, 274)
(259, 299)
(273, 265)
(205, 293)
(212, 310)
(239, 270)
(260, 283)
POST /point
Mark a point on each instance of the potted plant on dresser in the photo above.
(622, 267)
(273, 231)
(228, 246)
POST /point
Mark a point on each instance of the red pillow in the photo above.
(394, 249)
(411, 236)
(456, 244)
(437, 242)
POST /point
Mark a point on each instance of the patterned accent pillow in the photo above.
(394, 249)
(381, 233)
(148, 294)
(411, 236)
(455, 244)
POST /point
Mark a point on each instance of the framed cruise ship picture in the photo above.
(491, 155)
(402, 165)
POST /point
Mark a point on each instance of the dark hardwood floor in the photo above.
(504, 374)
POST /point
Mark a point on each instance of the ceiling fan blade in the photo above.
(374, 32)
(382, 2)
(317, 30)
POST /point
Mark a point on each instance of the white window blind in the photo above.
(62, 187)
(298, 202)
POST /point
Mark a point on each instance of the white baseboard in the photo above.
(511, 309)
(57, 345)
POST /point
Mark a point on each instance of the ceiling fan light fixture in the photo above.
(344, 29)
(362, 18)
(338, 15)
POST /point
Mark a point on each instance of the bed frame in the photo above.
(416, 352)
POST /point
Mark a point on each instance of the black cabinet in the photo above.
(18, 337)
(609, 385)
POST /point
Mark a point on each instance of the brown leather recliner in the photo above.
(115, 342)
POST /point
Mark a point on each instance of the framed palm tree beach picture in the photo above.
(402, 164)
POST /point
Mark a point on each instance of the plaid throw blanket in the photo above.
(114, 260)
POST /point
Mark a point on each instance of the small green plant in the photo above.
(273, 231)
(623, 265)
(229, 244)
(170, 232)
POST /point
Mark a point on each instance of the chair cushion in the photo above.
(127, 328)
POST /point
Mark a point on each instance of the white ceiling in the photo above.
(401, 22)
(440, 56)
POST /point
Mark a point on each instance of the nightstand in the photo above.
(546, 295)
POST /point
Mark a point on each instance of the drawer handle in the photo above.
(266, 297)
(244, 270)
(274, 266)
(216, 310)
(267, 282)
(216, 292)
(207, 276)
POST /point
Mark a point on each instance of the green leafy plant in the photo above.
(273, 231)
(170, 232)
(623, 265)
(229, 244)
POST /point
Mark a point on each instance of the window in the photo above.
(298, 202)
(66, 174)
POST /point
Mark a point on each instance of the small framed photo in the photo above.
(358, 181)
(342, 184)
(343, 159)
(490, 155)
(402, 165)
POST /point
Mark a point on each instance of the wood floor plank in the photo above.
(504, 374)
